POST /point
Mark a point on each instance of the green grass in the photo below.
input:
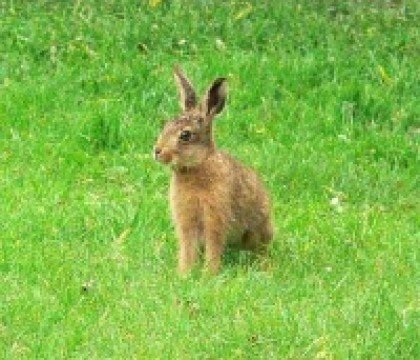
(324, 103)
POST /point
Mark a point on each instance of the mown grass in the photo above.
(324, 104)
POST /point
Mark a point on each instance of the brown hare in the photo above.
(214, 199)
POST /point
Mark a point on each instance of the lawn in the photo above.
(323, 103)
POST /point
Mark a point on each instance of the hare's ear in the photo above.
(215, 98)
(187, 96)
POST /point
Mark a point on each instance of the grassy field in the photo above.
(324, 103)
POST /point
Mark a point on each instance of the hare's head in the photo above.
(187, 140)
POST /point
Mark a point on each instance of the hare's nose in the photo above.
(157, 152)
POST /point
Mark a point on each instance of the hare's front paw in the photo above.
(214, 251)
(187, 258)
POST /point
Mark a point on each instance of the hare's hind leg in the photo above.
(258, 239)
(267, 233)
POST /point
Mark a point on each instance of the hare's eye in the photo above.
(185, 135)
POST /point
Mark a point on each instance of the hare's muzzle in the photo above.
(162, 156)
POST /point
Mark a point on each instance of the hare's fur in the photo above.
(214, 199)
